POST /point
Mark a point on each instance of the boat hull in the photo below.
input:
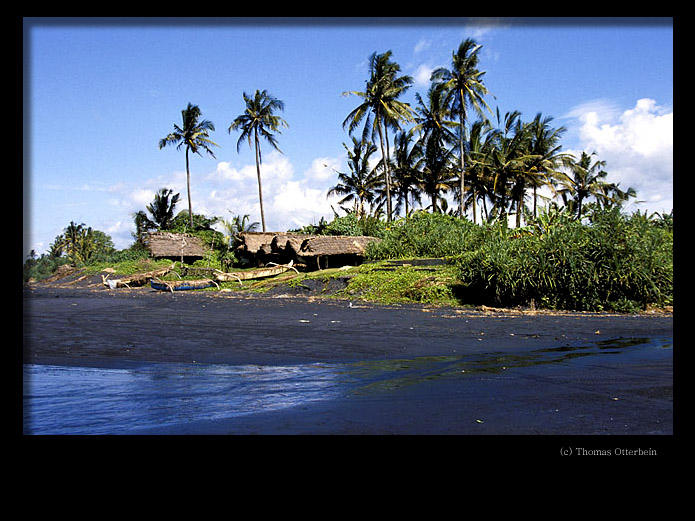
(182, 285)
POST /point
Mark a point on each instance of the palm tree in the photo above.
(381, 108)
(507, 159)
(406, 174)
(162, 208)
(464, 88)
(586, 179)
(238, 224)
(194, 134)
(478, 146)
(437, 174)
(259, 120)
(546, 159)
(431, 117)
(359, 185)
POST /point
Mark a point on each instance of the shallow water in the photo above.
(84, 400)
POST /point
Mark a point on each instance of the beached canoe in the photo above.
(259, 273)
(138, 279)
(181, 285)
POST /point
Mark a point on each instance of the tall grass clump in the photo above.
(425, 234)
(613, 262)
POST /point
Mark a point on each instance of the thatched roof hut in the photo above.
(334, 245)
(174, 245)
(281, 247)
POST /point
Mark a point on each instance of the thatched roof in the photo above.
(165, 244)
(334, 245)
(289, 243)
(251, 242)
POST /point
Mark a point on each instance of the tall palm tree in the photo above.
(259, 120)
(359, 185)
(546, 156)
(381, 108)
(465, 88)
(507, 158)
(194, 135)
(479, 175)
(432, 117)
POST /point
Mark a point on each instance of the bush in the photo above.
(425, 234)
(613, 263)
(351, 225)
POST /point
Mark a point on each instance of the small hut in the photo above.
(175, 246)
(312, 251)
(260, 248)
(329, 251)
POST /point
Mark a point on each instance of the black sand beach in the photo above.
(609, 395)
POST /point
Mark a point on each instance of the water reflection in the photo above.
(80, 400)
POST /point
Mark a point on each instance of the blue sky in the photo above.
(99, 94)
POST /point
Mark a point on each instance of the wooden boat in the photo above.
(138, 279)
(181, 285)
(259, 273)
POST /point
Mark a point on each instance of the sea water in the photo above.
(86, 400)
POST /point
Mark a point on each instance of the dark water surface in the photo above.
(88, 400)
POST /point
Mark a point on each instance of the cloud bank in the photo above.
(637, 145)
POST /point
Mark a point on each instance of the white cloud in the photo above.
(422, 45)
(637, 146)
(422, 75)
(479, 28)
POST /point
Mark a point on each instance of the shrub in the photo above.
(425, 234)
(613, 263)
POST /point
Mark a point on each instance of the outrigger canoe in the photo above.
(181, 285)
(268, 271)
(138, 279)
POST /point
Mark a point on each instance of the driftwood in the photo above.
(268, 271)
(137, 279)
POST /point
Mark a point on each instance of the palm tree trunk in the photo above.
(188, 186)
(487, 217)
(462, 118)
(388, 152)
(474, 207)
(535, 196)
(386, 171)
(258, 173)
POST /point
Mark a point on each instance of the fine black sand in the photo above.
(119, 328)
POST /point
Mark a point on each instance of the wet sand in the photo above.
(119, 329)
